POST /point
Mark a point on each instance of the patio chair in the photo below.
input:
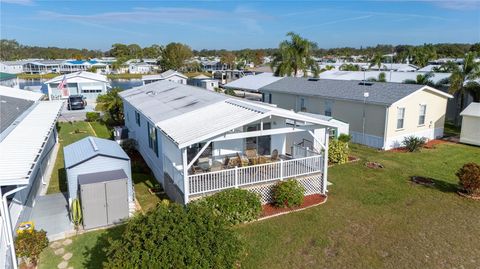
(274, 155)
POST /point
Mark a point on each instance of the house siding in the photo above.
(470, 130)
(434, 118)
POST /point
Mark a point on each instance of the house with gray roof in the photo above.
(170, 75)
(380, 114)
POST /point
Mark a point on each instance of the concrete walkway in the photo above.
(51, 214)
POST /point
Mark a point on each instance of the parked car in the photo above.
(76, 102)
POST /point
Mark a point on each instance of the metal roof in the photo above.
(252, 83)
(190, 114)
(103, 176)
(164, 75)
(24, 144)
(90, 147)
(390, 76)
(381, 93)
(472, 110)
(82, 74)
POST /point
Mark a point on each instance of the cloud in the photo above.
(18, 2)
(191, 17)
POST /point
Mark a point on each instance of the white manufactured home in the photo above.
(169, 75)
(380, 114)
(198, 142)
(27, 139)
(88, 84)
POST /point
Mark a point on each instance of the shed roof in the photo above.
(472, 110)
(381, 93)
(165, 75)
(91, 147)
(190, 114)
(103, 176)
(252, 83)
(21, 148)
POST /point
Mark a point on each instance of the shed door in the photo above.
(117, 200)
(93, 205)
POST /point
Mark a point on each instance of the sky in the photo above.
(97, 24)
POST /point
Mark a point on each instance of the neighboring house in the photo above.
(183, 131)
(90, 85)
(170, 75)
(81, 65)
(42, 66)
(27, 139)
(390, 76)
(203, 81)
(470, 133)
(97, 160)
(9, 80)
(140, 68)
(252, 83)
(11, 67)
(380, 114)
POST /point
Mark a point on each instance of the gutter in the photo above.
(8, 223)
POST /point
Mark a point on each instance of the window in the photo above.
(421, 115)
(152, 138)
(303, 106)
(328, 108)
(269, 98)
(400, 117)
(137, 118)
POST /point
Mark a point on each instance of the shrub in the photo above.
(413, 143)
(174, 236)
(469, 177)
(234, 205)
(93, 116)
(129, 146)
(344, 138)
(338, 151)
(29, 245)
(288, 193)
(230, 92)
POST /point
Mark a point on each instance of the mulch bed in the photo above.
(476, 197)
(270, 210)
(429, 145)
(422, 181)
(374, 165)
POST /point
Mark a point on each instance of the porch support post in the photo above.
(198, 154)
(186, 183)
(281, 169)
(318, 140)
(325, 162)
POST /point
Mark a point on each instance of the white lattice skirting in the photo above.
(312, 185)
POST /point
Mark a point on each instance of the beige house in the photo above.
(471, 124)
(380, 114)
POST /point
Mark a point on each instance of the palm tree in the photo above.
(112, 104)
(376, 61)
(294, 55)
(422, 80)
(463, 79)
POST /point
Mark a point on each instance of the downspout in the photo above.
(186, 185)
(8, 223)
(385, 128)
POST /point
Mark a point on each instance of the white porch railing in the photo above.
(243, 176)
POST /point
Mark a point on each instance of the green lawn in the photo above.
(372, 219)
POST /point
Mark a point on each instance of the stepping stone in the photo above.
(59, 251)
(67, 256)
(55, 245)
(62, 265)
(67, 242)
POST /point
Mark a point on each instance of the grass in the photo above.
(451, 129)
(37, 76)
(124, 76)
(372, 219)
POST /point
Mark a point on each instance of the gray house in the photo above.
(95, 155)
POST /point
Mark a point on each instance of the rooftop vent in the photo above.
(365, 83)
(313, 79)
(92, 142)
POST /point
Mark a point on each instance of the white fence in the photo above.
(243, 176)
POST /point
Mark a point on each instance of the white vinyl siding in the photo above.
(421, 114)
(400, 117)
